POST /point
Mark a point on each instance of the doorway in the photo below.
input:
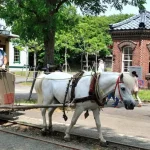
(3, 47)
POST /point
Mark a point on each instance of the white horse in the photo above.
(51, 89)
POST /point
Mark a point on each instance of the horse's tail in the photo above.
(38, 88)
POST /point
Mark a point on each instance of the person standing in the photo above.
(136, 88)
(3, 59)
(101, 66)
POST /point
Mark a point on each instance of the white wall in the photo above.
(23, 59)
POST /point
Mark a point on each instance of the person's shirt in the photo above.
(101, 67)
(2, 55)
(136, 86)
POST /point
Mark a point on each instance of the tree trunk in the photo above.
(49, 42)
(96, 62)
(87, 63)
(66, 63)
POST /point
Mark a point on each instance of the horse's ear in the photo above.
(121, 77)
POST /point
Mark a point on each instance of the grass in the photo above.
(23, 101)
(24, 73)
(144, 95)
(26, 83)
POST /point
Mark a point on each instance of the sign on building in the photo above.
(138, 70)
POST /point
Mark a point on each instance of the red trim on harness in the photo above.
(117, 85)
(92, 85)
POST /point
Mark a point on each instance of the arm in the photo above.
(5, 60)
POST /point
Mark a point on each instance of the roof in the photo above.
(140, 21)
(13, 35)
(8, 34)
(6, 31)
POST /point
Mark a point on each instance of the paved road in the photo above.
(24, 143)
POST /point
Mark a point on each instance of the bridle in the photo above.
(117, 86)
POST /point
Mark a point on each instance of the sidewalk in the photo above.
(19, 79)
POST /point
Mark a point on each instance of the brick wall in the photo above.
(141, 56)
(117, 57)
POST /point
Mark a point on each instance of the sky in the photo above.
(127, 9)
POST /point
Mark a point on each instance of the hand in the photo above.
(3, 67)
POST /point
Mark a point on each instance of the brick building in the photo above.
(131, 44)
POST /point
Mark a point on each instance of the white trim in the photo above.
(128, 60)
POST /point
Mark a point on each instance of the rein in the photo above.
(117, 85)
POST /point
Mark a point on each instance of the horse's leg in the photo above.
(96, 113)
(50, 113)
(46, 101)
(76, 115)
(43, 112)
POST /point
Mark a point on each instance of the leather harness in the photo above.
(93, 91)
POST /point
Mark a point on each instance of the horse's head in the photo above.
(123, 91)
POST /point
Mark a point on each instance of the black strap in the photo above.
(67, 89)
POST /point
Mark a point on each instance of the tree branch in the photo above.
(57, 7)
(27, 8)
(20, 3)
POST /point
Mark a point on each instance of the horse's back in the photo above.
(55, 85)
(58, 76)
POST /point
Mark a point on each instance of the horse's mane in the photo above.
(128, 80)
(88, 73)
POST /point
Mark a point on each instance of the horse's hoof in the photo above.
(104, 144)
(50, 129)
(43, 132)
(50, 132)
(67, 139)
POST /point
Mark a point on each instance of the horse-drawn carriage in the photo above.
(7, 88)
(55, 88)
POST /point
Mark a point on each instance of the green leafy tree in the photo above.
(88, 38)
(64, 42)
(39, 19)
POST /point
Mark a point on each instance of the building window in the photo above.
(127, 58)
(16, 56)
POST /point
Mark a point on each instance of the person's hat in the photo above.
(134, 72)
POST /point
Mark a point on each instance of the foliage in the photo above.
(92, 34)
(64, 42)
(40, 19)
(95, 7)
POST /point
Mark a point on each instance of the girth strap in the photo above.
(94, 92)
(83, 99)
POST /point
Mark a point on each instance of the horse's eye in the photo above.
(123, 89)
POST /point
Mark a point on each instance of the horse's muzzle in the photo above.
(129, 105)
